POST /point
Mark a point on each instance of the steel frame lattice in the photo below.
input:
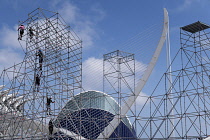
(60, 75)
(119, 80)
(183, 111)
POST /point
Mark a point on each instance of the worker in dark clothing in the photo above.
(37, 82)
(41, 55)
(50, 127)
(31, 33)
(49, 101)
(21, 29)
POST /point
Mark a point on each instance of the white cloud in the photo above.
(84, 25)
(8, 37)
(87, 34)
(186, 4)
(93, 73)
(140, 68)
(93, 78)
(142, 99)
(69, 12)
(10, 50)
(8, 58)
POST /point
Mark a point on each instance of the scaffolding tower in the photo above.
(119, 83)
(182, 112)
(119, 75)
(50, 74)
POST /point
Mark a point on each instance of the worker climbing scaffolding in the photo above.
(21, 29)
(49, 101)
(31, 33)
(38, 76)
(50, 126)
(45, 70)
(37, 82)
(40, 55)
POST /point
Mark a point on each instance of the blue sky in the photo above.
(103, 25)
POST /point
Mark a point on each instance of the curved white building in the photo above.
(88, 113)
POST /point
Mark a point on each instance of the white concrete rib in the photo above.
(208, 138)
(1, 87)
(14, 101)
(6, 99)
(3, 93)
(11, 102)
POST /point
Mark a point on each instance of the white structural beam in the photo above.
(3, 93)
(15, 100)
(131, 100)
(19, 103)
(1, 87)
(9, 97)
(71, 134)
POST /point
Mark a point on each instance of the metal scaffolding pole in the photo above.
(48, 76)
(187, 107)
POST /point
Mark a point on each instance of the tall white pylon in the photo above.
(170, 95)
